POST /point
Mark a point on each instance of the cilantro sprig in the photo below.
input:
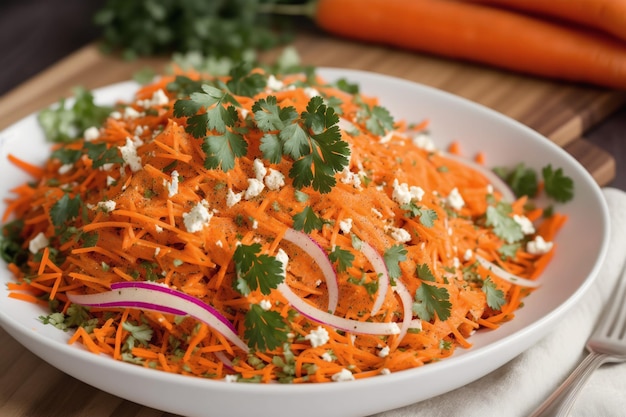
(256, 270)
(265, 330)
(524, 180)
(312, 139)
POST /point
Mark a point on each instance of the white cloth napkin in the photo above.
(517, 388)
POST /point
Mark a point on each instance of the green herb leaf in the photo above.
(65, 209)
(393, 256)
(522, 180)
(557, 185)
(66, 156)
(101, 154)
(342, 257)
(495, 296)
(221, 150)
(424, 273)
(503, 225)
(258, 270)
(431, 300)
(265, 330)
(11, 243)
(307, 220)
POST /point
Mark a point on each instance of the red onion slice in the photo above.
(407, 307)
(505, 275)
(158, 297)
(310, 246)
(380, 267)
(329, 319)
(497, 182)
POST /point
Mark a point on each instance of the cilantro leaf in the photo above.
(503, 225)
(522, 180)
(342, 257)
(65, 209)
(393, 256)
(138, 333)
(424, 273)
(67, 156)
(101, 154)
(557, 185)
(427, 216)
(307, 220)
(11, 248)
(431, 300)
(243, 82)
(265, 330)
(260, 271)
(495, 296)
(377, 119)
(63, 124)
(216, 117)
(184, 86)
(221, 150)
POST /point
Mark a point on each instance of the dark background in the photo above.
(35, 34)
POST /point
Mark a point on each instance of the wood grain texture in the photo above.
(563, 112)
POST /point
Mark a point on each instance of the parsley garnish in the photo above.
(495, 296)
(521, 179)
(265, 330)
(307, 220)
(257, 270)
(429, 300)
(377, 119)
(557, 185)
(393, 256)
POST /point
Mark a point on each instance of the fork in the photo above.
(606, 344)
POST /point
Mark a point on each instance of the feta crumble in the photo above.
(91, 133)
(455, 200)
(198, 218)
(106, 206)
(265, 304)
(318, 337)
(524, 222)
(399, 234)
(129, 155)
(259, 169)
(38, 242)
(274, 180)
(233, 198)
(345, 225)
(172, 187)
(343, 375)
(255, 187)
(538, 246)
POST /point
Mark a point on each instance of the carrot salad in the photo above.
(266, 228)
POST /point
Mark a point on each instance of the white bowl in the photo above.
(581, 246)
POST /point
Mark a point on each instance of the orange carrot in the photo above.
(481, 34)
(604, 15)
(132, 228)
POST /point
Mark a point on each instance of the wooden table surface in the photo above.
(58, 53)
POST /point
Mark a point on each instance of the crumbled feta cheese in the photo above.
(219, 244)
(527, 226)
(345, 225)
(255, 187)
(265, 304)
(318, 337)
(456, 262)
(401, 193)
(159, 98)
(259, 169)
(399, 234)
(172, 187)
(274, 180)
(106, 206)
(110, 180)
(129, 155)
(455, 200)
(198, 218)
(349, 177)
(233, 198)
(116, 115)
(387, 137)
(91, 133)
(385, 371)
(384, 352)
(131, 113)
(231, 378)
(157, 250)
(327, 357)
(283, 258)
(311, 92)
(158, 228)
(343, 375)
(467, 255)
(424, 141)
(38, 242)
(65, 168)
(255, 224)
(417, 193)
(538, 246)
(274, 84)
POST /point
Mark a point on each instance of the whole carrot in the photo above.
(605, 15)
(482, 34)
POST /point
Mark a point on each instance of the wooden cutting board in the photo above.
(560, 111)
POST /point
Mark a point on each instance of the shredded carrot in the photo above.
(132, 227)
